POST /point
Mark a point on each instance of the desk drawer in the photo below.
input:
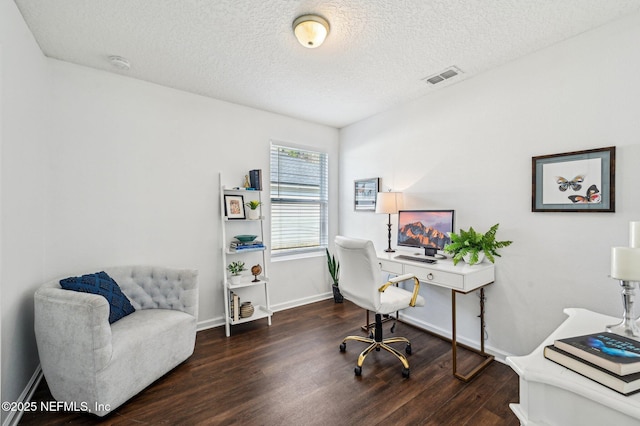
(436, 277)
(393, 267)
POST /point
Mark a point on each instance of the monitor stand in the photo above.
(433, 253)
(430, 251)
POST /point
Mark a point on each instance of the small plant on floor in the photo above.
(334, 271)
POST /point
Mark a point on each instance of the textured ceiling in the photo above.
(244, 51)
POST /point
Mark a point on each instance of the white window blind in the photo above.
(299, 200)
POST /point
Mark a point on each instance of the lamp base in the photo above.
(389, 250)
(627, 327)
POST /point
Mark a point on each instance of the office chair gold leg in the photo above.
(366, 352)
(358, 338)
(398, 354)
(397, 340)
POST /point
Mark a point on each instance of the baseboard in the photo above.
(210, 323)
(499, 355)
(14, 416)
(301, 302)
(219, 321)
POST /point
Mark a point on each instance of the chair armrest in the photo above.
(72, 331)
(405, 277)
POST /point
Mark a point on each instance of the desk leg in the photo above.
(454, 343)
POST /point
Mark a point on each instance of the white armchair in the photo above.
(97, 365)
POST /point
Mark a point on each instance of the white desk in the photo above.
(461, 278)
(553, 395)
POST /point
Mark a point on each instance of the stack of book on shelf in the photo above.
(246, 246)
(609, 359)
(234, 309)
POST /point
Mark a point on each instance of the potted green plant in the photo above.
(473, 247)
(235, 268)
(334, 271)
(253, 209)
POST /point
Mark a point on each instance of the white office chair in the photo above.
(360, 283)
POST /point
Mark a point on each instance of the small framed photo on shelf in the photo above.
(365, 193)
(580, 181)
(234, 206)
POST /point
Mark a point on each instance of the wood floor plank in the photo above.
(293, 373)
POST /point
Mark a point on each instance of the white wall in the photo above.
(101, 170)
(469, 147)
(133, 178)
(24, 105)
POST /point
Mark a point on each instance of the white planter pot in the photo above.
(253, 214)
(467, 257)
(235, 279)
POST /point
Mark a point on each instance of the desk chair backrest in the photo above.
(359, 272)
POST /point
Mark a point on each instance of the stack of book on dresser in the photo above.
(609, 359)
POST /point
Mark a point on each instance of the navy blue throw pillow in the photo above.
(101, 283)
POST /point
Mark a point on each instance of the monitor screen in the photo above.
(428, 229)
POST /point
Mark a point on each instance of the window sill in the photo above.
(296, 256)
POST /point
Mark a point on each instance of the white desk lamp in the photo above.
(625, 266)
(389, 203)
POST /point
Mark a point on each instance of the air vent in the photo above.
(443, 75)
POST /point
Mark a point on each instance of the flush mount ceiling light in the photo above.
(119, 62)
(310, 30)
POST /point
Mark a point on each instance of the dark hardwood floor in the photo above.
(293, 373)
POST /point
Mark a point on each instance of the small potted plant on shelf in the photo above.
(473, 247)
(235, 268)
(253, 209)
(334, 271)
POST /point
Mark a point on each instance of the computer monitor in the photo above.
(428, 229)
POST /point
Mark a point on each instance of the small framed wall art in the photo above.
(580, 181)
(234, 206)
(365, 193)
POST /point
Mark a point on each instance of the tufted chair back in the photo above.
(152, 287)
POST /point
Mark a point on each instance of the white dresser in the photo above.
(553, 395)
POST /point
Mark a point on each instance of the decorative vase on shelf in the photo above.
(467, 257)
(246, 310)
(254, 214)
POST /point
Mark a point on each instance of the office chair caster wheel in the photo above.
(405, 373)
(358, 371)
(408, 349)
(393, 328)
(343, 347)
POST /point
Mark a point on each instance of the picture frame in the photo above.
(234, 207)
(579, 181)
(365, 193)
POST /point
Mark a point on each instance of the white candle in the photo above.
(625, 263)
(634, 234)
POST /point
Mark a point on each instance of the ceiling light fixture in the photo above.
(120, 62)
(310, 30)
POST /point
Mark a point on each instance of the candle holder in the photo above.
(627, 327)
(625, 266)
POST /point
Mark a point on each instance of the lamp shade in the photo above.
(625, 263)
(310, 30)
(388, 202)
(634, 234)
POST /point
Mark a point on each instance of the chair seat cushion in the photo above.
(395, 298)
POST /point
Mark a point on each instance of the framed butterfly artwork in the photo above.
(580, 181)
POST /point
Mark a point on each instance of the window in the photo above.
(299, 200)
